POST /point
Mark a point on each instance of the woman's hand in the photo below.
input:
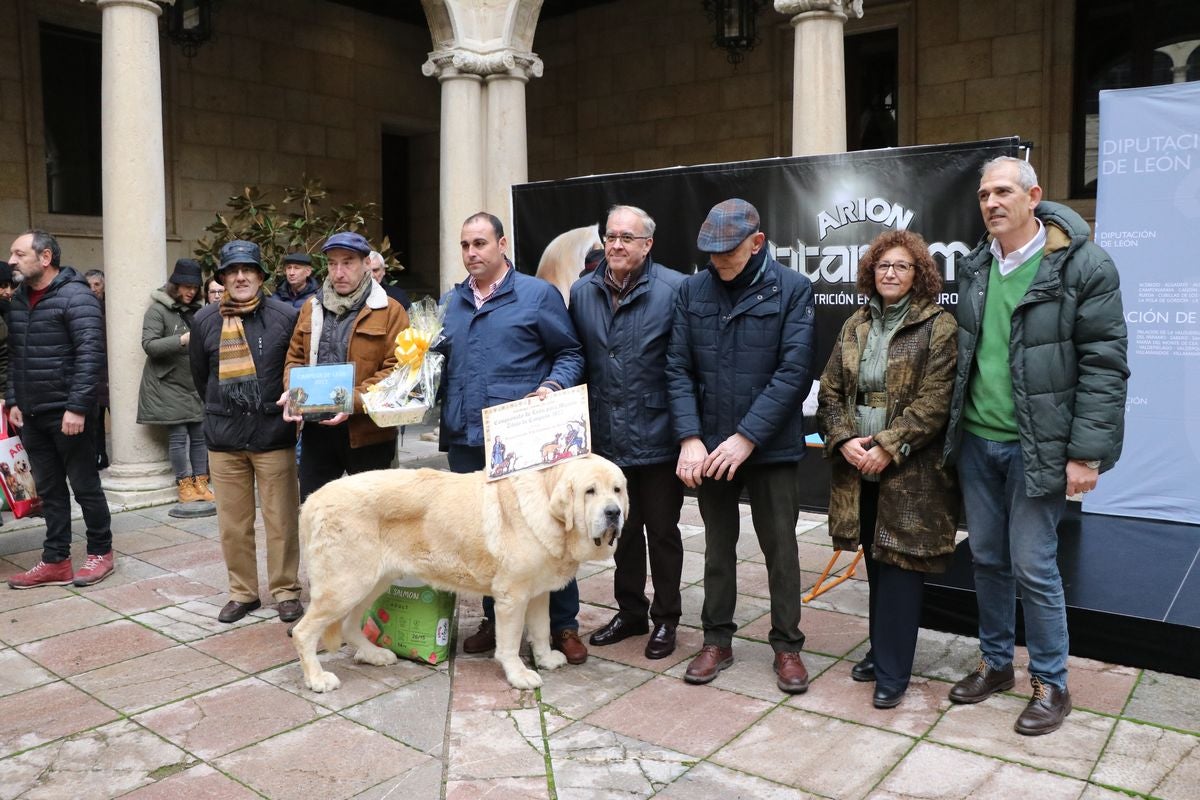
(853, 450)
(874, 461)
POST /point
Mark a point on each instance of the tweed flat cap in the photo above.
(239, 251)
(727, 225)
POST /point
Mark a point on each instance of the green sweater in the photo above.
(989, 411)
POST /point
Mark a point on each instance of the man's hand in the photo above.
(542, 392)
(282, 402)
(341, 417)
(690, 467)
(72, 423)
(874, 461)
(853, 450)
(1080, 478)
(184, 338)
(14, 417)
(723, 462)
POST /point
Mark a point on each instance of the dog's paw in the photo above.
(551, 659)
(324, 682)
(523, 678)
(376, 656)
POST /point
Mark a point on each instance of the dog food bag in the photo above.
(412, 619)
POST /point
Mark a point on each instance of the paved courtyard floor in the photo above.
(132, 689)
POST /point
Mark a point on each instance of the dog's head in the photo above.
(590, 497)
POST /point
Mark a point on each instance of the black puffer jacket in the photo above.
(56, 350)
(268, 331)
(744, 367)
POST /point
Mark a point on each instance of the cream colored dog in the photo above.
(516, 539)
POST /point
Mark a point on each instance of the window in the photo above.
(70, 61)
(1121, 44)
(872, 89)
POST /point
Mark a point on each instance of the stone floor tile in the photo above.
(693, 568)
(22, 540)
(330, 758)
(185, 556)
(21, 625)
(594, 762)
(495, 744)
(359, 681)
(191, 620)
(707, 781)
(18, 673)
(987, 727)
(689, 514)
(1151, 760)
(23, 598)
(847, 598)
(591, 618)
(1094, 792)
(154, 537)
(1094, 685)
(225, 719)
(214, 574)
(105, 762)
(126, 570)
(151, 594)
(39, 715)
(423, 780)
(252, 648)
(632, 651)
(201, 782)
(753, 672)
(598, 590)
(691, 719)
(945, 656)
(826, 632)
(416, 714)
(575, 692)
(933, 772)
(27, 558)
(747, 608)
(502, 789)
(822, 765)
(98, 646)
(480, 685)
(1159, 698)
(835, 694)
(151, 680)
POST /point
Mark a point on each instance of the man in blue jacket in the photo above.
(507, 336)
(739, 366)
(622, 312)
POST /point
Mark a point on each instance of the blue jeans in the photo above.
(1014, 543)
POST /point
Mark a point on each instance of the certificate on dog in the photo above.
(533, 434)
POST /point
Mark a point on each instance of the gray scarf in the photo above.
(339, 304)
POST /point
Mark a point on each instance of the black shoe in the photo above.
(1046, 711)
(982, 684)
(235, 610)
(864, 671)
(662, 642)
(618, 629)
(888, 698)
(290, 610)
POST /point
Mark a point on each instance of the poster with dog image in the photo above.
(531, 434)
(16, 478)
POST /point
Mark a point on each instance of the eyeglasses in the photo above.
(899, 267)
(624, 238)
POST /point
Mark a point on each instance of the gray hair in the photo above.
(94, 273)
(375, 257)
(647, 220)
(42, 241)
(1026, 176)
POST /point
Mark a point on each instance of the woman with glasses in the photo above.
(884, 402)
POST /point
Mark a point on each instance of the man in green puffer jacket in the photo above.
(1037, 415)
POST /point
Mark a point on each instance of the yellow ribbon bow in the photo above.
(411, 346)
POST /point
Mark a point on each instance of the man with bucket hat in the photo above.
(238, 347)
(739, 366)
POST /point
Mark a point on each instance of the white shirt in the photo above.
(1022, 254)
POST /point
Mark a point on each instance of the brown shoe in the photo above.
(568, 643)
(186, 488)
(290, 610)
(202, 490)
(708, 663)
(482, 640)
(1046, 711)
(982, 684)
(235, 610)
(791, 674)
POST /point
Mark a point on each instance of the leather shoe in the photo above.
(1046, 711)
(982, 684)
(482, 640)
(290, 610)
(662, 641)
(235, 610)
(568, 643)
(791, 674)
(887, 698)
(618, 629)
(864, 671)
(708, 663)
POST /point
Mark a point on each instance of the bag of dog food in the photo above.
(412, 620)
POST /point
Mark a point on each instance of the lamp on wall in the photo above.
(736, 26)
(189, 24)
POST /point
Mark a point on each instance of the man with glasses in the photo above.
(739, 366)
(622, 312)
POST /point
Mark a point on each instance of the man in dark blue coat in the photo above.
(57, 358)
(507, 336)
(622, 312)
(739, 366)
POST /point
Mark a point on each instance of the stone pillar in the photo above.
(135, 236)
(819, 73)
(507, 149)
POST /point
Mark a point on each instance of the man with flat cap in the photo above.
(237, 349)
(739, 366)
(298, 284)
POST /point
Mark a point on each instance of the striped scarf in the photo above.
(235, 366)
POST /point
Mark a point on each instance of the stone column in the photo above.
(507, 150)
(135, 236)
(819, 74)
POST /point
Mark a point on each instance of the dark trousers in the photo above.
(655, 498)
(774, 507)
(56, 458)
(895, 603)
(564, 604)
(326, 455)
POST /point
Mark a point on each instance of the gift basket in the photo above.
(406, 395)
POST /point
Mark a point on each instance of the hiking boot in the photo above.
(95, 569)
(483, 639)
(43, 574)
(202, 490)
(187, 490)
